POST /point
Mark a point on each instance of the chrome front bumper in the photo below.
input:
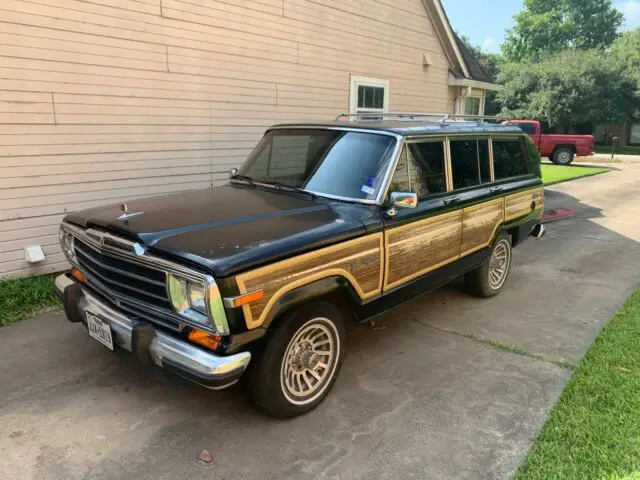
(151, 345)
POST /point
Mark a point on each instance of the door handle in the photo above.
(495, 189)
(450, 200)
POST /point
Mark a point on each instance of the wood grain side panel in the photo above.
(415, 249)
(479, 224)
(519, 204)
(359, 261)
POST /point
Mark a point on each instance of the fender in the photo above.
(322, 287)
(309, 291)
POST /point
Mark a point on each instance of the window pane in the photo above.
(347, 164)
(508, 158)
(286, 153)
(400, 180)
(465, 163)
(353, 166)
(378, 101)
(420, 169)
(472, 106)
(635, 134)
(483, 157)
(528, 128)
(370, 97)
(426, 167)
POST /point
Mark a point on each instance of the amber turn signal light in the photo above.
(247, 298)
(204, 339)
(78, 275)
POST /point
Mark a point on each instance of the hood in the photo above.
(230, 228)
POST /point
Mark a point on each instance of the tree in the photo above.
(567, 89)
(550, 26)
(627, 50)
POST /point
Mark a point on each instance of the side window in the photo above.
(470, 162)
(427, 167)
(400, 181)
(508, 158)
(420, 169)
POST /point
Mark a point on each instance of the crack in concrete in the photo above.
(499, 345)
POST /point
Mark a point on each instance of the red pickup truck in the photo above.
(560, 149)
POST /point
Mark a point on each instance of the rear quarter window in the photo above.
(533, 157)
(509, 158)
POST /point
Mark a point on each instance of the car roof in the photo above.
(409, 128)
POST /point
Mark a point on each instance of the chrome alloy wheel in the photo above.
(499, 263)
(310, 361)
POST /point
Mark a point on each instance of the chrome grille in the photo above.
(134, 287)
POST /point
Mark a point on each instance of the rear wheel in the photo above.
(562, 156)
(300, 363)
(488, 279)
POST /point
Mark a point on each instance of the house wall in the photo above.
(105, 100)
(605, 133)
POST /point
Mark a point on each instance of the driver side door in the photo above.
(422, 239)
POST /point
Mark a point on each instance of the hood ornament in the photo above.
(125, 213)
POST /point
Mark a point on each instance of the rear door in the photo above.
(480, 200)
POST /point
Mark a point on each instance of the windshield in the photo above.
(327, 162)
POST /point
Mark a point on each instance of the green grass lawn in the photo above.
(593, 431)
(561, 173)
(628, 150)
(25, 297)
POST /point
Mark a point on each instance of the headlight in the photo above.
(66, 243)
(188, 298)
(197, 297)
(178, 293)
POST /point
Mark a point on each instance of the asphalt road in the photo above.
(425, 396)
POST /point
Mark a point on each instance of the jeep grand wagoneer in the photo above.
(322, 224)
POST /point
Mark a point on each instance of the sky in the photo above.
(485, 21)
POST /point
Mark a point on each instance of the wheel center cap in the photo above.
(308, 359)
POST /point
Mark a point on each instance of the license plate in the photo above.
(99, 330)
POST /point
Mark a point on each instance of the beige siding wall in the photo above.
(105, 100)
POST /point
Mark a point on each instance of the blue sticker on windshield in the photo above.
(371, 182)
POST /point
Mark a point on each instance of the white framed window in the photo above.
(368, 95)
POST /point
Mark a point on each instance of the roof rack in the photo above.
(441, 118)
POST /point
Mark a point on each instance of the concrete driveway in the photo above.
(433, 393)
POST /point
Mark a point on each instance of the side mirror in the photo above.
(233, 172)
(404, 199)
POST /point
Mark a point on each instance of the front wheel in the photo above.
(300, 363)
(488, 279)
(562, 156)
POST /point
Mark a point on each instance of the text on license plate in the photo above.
(99, 330)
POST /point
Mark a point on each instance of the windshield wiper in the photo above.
(282, 186)
(246, 178)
